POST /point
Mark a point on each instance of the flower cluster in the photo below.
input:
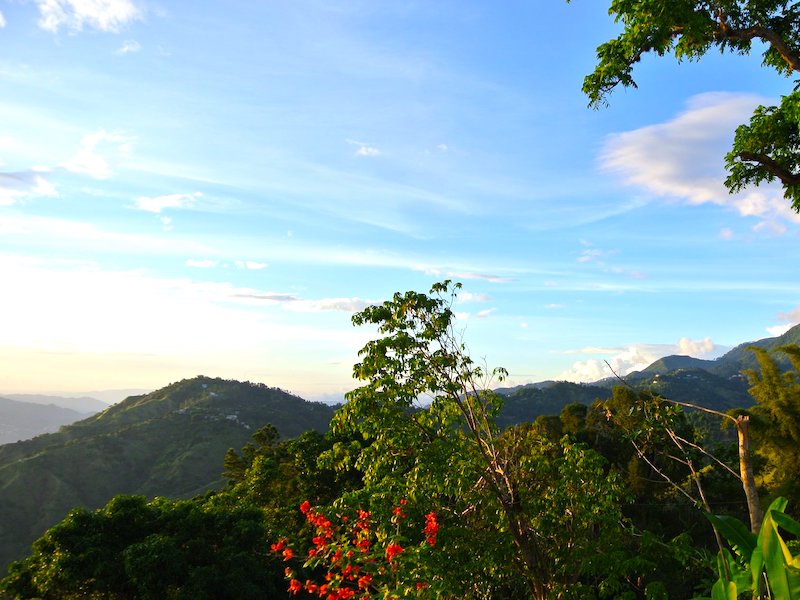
(359, 559)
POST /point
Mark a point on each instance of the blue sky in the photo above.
(214, 188)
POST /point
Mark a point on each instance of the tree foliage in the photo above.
(153, 550)
(768, 147)
(776, 420)
(514, 505)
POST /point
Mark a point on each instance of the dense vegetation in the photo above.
(168, 443)
(416, 491)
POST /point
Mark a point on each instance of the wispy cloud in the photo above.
(595, 254)
(599, 258)
(364, 148)
(201, 263)
(15, 187)
(129, 47)
(90, 161)
(251, 265)
(329, 304)
(463, 274)
(683, 159)
(156, 204)
(295, 303)
(104, 15)
(267, 297)
(2, 20)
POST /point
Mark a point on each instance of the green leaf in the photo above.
(742, 540)
(786, 522)
(784, 581)
(724, 590)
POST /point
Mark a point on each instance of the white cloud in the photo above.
(104, 15)
(697, 348)
(788, 320)
(2, 20)
(594, 254)
(634, 358)
(251, 265)
(684, 158)
(364, 148)
(459, 275)
(129, 47)
(156, 204)
(482, 314)
(89, 161)
(201, 264)
(15, 187)
(472, 297)
(726, 233)
(329, 304)
(294, 303)
(368, 151)
(598, 257)
(484, 276)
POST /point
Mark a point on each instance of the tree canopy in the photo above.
(768, 147)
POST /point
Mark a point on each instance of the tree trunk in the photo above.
(746, 471)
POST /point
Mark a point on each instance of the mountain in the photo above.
(23, 420)
(673, 363)
(82, 404)
(740, 358)
(170, 442)
(717, 384)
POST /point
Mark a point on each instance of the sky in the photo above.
(216, 187)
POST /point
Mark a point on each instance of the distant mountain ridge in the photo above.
(24, 420)
(171, 442)
(730, 364)
(717, 384)
(85, 405)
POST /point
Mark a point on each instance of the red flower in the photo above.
(280, 545)
(393, 550)
(295, 586)
(364, 581)
(431, 528)
(288, 553)
(305, 507)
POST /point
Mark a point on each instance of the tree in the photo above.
(515, 506)
(132, 548)
(766, 149)
(776, 419)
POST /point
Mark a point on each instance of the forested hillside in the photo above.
(167, 443)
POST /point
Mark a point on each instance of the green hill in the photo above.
(170, 443)
(525, 403)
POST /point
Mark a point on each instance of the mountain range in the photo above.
(172, 442)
